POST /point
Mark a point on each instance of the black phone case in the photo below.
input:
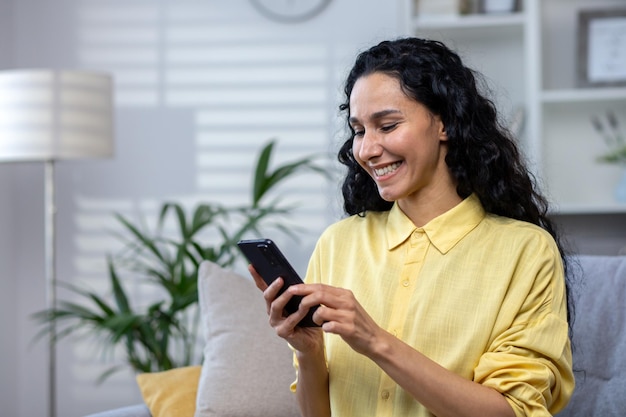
(270, 263)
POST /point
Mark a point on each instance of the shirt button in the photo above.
(416, 236)
(405, 283)
(384, 395)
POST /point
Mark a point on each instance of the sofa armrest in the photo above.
(138, 410)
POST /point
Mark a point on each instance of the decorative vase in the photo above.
(620, 189)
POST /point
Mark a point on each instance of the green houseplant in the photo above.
(163, 334)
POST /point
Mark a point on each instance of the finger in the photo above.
(318, 316)
(316, 294)
(271, 293)
(277, 306)
(258, 281)
(291, 321)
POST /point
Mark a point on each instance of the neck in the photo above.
(425, 206)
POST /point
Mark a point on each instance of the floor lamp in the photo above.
(50, 115)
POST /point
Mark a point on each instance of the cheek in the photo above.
(356, 150)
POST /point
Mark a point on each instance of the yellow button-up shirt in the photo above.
(482, 295)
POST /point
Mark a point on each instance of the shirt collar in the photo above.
(444, 231)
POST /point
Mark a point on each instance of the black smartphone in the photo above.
(270, 263)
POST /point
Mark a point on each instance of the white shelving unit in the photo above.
(529, 58)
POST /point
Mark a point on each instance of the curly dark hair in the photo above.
(482, 155)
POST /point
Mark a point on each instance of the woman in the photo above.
(443, 292)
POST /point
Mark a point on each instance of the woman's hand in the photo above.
(340, 313)
(303, 339)
(312, 387)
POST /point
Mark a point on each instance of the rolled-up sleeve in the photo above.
(531, 366)
(530, 362)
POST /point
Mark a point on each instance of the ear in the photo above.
(441, 130)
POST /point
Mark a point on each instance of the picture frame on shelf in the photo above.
(439, 8)
(602, 47)
(498, 6)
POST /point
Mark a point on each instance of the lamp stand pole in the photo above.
(50, 271)
(70, 96)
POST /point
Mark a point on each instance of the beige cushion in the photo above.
(247, 369)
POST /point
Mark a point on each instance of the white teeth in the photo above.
(387, 169)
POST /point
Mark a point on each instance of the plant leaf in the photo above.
(118, 291)
(260, 173)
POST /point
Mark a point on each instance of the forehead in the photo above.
(376, 93)
(376, 85)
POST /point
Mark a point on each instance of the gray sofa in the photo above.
(599, 347)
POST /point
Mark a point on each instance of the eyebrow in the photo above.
(377, 115)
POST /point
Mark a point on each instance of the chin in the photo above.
(387, 196)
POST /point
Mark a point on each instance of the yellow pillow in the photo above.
(172, 392)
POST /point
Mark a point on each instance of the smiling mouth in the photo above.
(386, 170)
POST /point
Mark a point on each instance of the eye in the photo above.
(389, 127)
(357, 131)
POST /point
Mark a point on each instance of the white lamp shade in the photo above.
(48, 115)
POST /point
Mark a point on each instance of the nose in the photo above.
(368, 146)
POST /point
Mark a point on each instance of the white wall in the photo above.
(8, 290)
(172, 142)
